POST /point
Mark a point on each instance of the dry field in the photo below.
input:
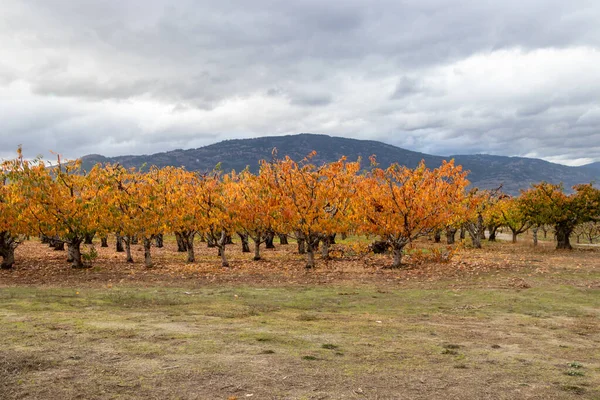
(504, 322)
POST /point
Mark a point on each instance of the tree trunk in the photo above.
(70, 257)
(8, 257)
(221, 245)
(270, 235)
(450, 235)
(476, 231)
(45, 240)
(59, 245)
(181, 242)
(462, 233)
(492, 230)
(256, 248)
(397, 251)
(301, 246)
(75, 253)
(134, 239)
(7, 250)
(210, 242)
(147, 254)
(535, 236)
(88, 238)
(189, 245)
(119, 244)
(325, 247)
(104, 241)
(437, 236)
(283, 238)
(476, 241)
(159, 241)
(244, 239)
(51, 241)
(312, 245)
(127, 241)
(316, 243)
(310, 256)
(562, 237)
(514, 236)
(475, 235)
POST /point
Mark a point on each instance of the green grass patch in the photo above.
(287, 341)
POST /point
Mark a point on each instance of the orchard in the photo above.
(65, 205)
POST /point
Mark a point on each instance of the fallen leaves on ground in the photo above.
(38, 264)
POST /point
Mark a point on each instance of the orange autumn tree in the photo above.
(123, 213)
(62, 202)
(14, 226)
(201, 204)
(151, 194)
(212, 208)
(255, 207)
(186, 217)
(136, 204)
(315, 201)
(401, 204)
(121, 203)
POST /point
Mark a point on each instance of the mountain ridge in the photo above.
(486, 171)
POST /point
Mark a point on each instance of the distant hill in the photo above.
(516, 173)
(595, 167)
(486, 171)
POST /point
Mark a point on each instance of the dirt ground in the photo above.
(39, 265)
(505, 322)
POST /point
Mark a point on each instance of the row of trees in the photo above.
(545, 205)
(307, 202)
(588, 231)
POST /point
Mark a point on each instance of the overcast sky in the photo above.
(511, 77)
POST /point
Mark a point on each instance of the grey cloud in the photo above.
(531, 110)
(91, 88)
(311, 99)
(134, 76)
(406, 86)
(590, 118)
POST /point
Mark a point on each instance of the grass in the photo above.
(281, 342)
(504, 322)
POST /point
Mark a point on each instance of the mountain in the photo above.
(516, 173)
(239, 153)
(594, 167)
(486, 171)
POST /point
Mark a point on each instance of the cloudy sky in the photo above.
(511, 77)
